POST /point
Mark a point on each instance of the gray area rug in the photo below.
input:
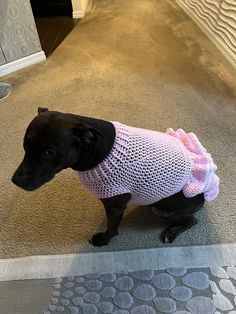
(140, 62)
(200, 280)
(176, 290)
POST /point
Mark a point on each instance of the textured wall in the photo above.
(2, 58)
(18, 33)
(218, 17)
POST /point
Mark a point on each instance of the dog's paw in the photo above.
(167, 236)
(99, 240)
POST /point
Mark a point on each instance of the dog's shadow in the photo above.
(141, 228)
(142, 218)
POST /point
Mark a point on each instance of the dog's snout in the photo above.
(21, 178)
(15, 179)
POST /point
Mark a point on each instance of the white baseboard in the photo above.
(22, 63)
(52, 266)
(78, 14)
(219, 44)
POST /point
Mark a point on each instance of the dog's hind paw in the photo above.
(99, 240)
(167, 236)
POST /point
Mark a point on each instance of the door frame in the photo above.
(79, 8)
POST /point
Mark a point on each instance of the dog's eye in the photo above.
(49, 153)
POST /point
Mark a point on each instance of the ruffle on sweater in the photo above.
(203, 178)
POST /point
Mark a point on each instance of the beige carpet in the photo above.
(141, 62)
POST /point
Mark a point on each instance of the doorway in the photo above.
(45, 8)
(53, 19)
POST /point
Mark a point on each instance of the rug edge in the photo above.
(52, 266)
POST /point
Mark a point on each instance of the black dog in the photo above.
(54, 141)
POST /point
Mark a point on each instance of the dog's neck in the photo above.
(97, 151)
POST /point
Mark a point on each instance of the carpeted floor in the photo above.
(141, 62)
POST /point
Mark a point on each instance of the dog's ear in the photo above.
(85, 133)
(41, 110)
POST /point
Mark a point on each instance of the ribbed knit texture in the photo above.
(151, 166)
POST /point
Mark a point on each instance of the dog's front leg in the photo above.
(114, 207)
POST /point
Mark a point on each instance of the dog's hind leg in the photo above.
(179, 211)
(176, 228)
(114, 207)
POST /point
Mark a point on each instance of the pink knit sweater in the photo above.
(152, 165)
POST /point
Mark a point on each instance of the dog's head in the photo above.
(52, 142)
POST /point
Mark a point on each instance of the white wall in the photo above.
(217, 18)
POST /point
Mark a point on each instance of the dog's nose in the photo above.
(15, 179)
(21, 179)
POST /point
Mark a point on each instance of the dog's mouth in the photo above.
(28, 184)
(29, 187)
